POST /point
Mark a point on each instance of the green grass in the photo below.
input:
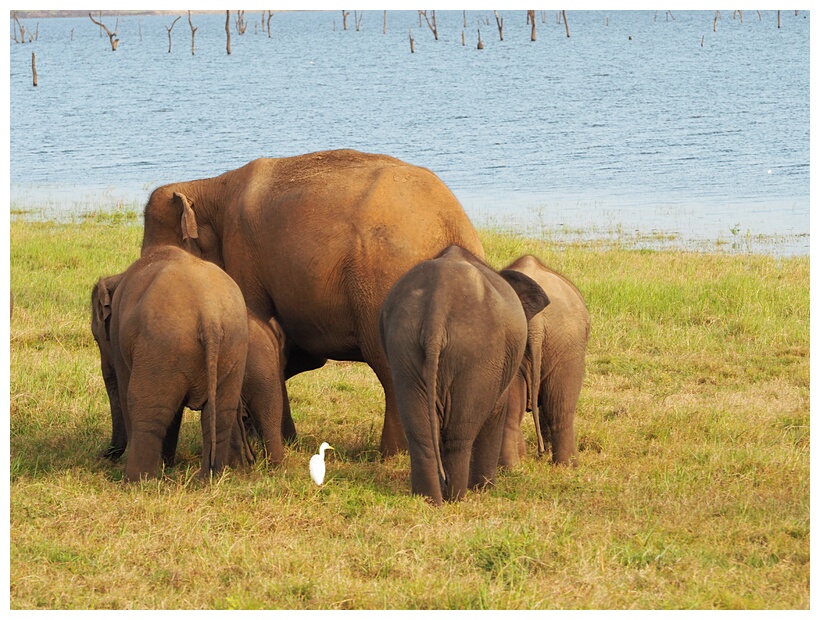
(692, 489)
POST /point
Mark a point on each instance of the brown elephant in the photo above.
(549, 381)
(455, 332)
(172, 332)
(316, 241)
(264, 395)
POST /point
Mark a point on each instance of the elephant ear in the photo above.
(532, 296)
(188, 221)
(102, 306)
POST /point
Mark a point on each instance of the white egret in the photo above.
(317, 463)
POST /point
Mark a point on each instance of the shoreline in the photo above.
(611, 236)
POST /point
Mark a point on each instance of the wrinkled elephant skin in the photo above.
(174, 331)
(455, 331)
(316, 241)
(550, 378)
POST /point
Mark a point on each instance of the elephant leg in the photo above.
(119, 435)
(455, 455)
(288, 426)
(557, 402)
(225, 409)
(512, 445)
(393, 437)
(154, 400)
(169, 443)
(148, 429)
(487, 447)
(424, 476)
(241, 452)
(266, 408)
(224, 432)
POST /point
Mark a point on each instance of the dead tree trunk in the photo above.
(114, 42)
(270, 14)
(463, 42)
(714, 25)
(384, 27)
(22, 30)
(34, 68)
(500, 22)
(778, 20)
(193, 32)
(566, 23)
(480, 45)
(228, 30)
(140, 25)
(241, 26)
(344, 19)
(412, 43)
(433, 27)
(531, 19)
(464, 16)
(170, 29)
(357, 18)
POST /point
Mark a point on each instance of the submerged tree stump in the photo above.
(111, 36)
(228, 30)
(193, 32)
(34, 68)
(170, 29)
(531, 20)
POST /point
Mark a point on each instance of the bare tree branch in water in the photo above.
(114, 42)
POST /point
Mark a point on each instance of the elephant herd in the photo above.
(267, 271)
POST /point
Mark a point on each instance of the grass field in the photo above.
(692, 489)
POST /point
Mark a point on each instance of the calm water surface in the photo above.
(680, 130)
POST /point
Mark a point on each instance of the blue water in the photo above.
(681, 130)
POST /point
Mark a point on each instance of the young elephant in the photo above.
(172, 332)
(549, 381)
(454, 332)
(264, 396)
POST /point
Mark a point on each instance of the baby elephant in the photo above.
(549, 381)
(264, 396)
(172, 332)
(454, 332)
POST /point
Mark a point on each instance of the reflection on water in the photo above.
(630, 124)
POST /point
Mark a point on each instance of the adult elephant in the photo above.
(316, 241)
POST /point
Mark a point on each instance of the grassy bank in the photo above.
(692, 489)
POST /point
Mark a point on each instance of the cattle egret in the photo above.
(317, 463)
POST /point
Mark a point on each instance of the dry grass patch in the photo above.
(692, 489)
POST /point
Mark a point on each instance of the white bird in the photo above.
(317, 463)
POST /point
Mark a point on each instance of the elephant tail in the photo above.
(432, 354)
(211, 360)
(535, 345)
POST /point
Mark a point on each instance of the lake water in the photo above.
(637, 122)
